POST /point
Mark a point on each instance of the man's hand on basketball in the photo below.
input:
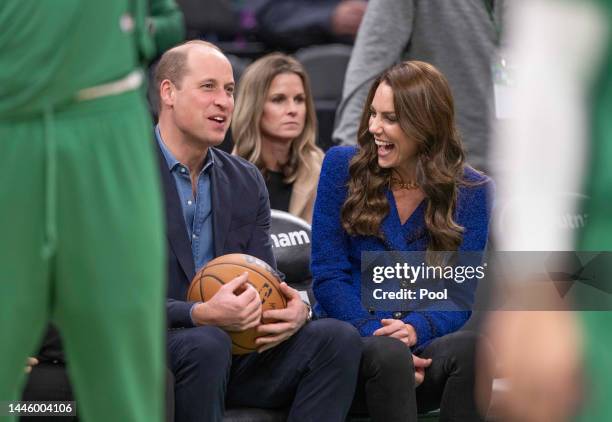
(235, 307)
(287, 321)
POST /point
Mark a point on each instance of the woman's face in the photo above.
(395, 149)
(284, 111)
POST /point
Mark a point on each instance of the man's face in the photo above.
(202, 107)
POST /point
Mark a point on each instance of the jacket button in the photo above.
(397, 315)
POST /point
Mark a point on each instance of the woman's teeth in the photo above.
(383, 144)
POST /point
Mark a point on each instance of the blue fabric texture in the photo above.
(336, 256)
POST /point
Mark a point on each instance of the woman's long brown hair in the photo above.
(425, 109)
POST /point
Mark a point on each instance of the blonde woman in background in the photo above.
(274, 127)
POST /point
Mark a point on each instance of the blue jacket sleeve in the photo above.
(333, 281)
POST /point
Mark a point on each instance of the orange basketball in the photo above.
(227, 267)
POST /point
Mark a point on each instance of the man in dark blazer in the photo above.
(218, 204)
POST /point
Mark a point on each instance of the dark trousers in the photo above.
(386, 386)
(313, 373)
(48, 381)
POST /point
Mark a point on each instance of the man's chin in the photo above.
(215, 141)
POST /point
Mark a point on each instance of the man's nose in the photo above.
(223, 100)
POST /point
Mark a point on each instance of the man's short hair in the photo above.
(173, 63)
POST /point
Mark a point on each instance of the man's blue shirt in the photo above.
(197, 211)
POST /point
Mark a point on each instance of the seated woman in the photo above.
(405, 187)
(274, 127)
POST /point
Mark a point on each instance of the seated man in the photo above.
(218, 204)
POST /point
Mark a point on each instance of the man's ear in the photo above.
(167, 92)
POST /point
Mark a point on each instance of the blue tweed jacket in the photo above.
(336, 256)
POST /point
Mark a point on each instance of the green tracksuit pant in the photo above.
(82, 245)
(597, 236)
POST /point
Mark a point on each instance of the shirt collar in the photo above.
(171, 160)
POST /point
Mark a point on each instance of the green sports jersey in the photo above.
(168, 26)
(597, 236)
(50, 49)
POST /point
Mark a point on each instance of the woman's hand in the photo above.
(398, 329)
(419, 369)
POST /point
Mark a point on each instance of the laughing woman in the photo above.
(405, 187)
(274, 127)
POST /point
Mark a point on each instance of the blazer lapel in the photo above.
(400, 237)
(221, 205)
(391, 227)
(175, 223)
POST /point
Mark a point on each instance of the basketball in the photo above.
(223, 269)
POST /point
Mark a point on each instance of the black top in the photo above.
(279, 191)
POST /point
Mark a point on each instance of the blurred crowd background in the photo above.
(459, 38)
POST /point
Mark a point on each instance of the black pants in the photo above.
(386, 387)
(48, 381)
(313, 373)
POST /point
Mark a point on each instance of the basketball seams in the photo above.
(264, 275)
(216, 278)
(244, 266)
(201, 288)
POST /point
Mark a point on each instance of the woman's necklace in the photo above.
(399, 183)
